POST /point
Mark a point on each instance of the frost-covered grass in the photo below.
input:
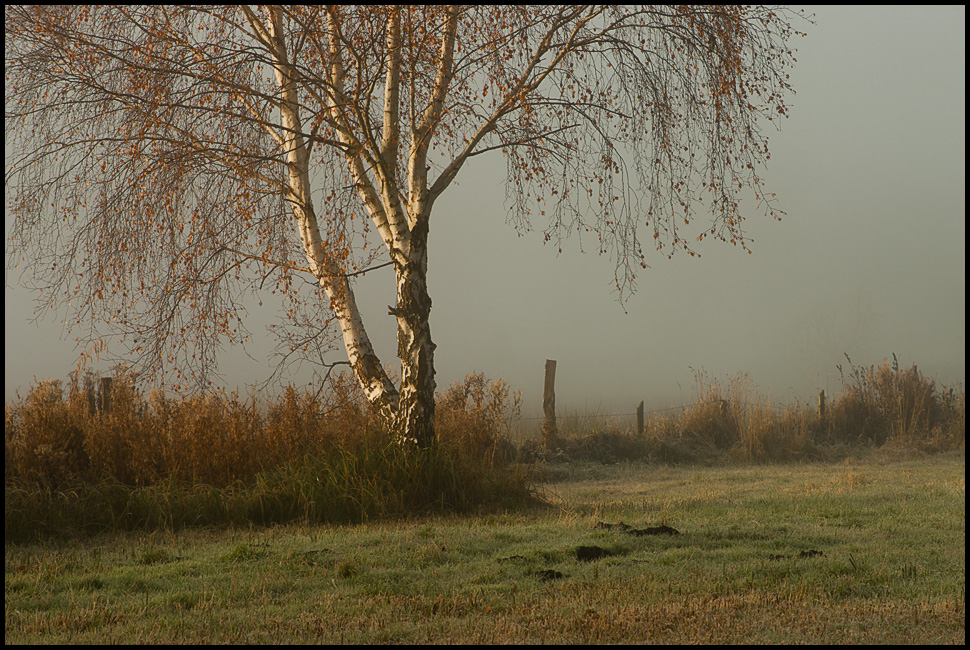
(869, 550)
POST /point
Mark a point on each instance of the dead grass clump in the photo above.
(736, 418)
(473, 419)
(709, 420)
(44, 436)
(608, 447)
(219, 438)
(213, 439)
(791, 436)
(220, 459)
(885, 403)
(881, 405)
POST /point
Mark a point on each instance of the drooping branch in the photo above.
(169, 162)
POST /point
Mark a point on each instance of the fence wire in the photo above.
(645, 412)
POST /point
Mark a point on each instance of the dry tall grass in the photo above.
(219, 458)
(732, 420)
(887, 404)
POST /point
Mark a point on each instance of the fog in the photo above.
(869, 260)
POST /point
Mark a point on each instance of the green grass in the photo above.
(155, 463)
(889, 568)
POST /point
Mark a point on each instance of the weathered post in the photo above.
(105, 403)
(640, 418)
(550, 434)
(821, 408)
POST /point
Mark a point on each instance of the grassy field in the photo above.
(866, 550)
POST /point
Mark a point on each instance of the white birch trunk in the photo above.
(403, 227)
(415, 348)
(377, 386)
(415, 414)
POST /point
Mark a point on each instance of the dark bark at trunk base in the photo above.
(414, 420)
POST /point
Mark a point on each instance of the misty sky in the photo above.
(869, 260)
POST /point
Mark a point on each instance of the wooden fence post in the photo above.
(821, 408)
(105, 402)
(92, 403)
(550, 434)
(640, 418)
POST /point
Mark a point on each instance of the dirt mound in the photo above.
(639, 532)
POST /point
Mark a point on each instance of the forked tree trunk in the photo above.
(408, 412)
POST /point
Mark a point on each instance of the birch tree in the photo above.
(166, 164)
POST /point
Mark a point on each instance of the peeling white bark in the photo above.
(402, 227)
(377, 386)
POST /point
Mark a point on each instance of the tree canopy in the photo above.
(166, 163)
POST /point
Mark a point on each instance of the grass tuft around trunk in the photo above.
(219, 460)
